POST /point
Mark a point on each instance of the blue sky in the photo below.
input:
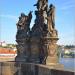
(64, 18)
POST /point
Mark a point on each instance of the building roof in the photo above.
(7, 51)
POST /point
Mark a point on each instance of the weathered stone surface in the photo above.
(38, 45)
(11, 68)
(22, 37)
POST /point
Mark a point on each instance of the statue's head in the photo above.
(51, 5)
(31, 11)
(22, 14)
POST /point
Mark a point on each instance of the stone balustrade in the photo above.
(20, 68)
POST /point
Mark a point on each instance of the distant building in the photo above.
(7, 52)
(3, 44)
(67, 52)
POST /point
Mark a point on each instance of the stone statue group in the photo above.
(35, 44)
(48, 14)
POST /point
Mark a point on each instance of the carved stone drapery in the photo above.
(51, 15)
(24, 21)
(22, 37)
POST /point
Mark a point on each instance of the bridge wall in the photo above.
(12, 68)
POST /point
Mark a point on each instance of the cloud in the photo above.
(9, 16)
(67, 7)
(69, 2)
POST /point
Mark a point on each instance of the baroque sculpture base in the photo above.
(51, 60)
(20, 59)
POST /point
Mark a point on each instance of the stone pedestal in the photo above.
(52, 58)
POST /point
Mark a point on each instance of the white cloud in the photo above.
(70, 2)
(67, 7)
(9, 16)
